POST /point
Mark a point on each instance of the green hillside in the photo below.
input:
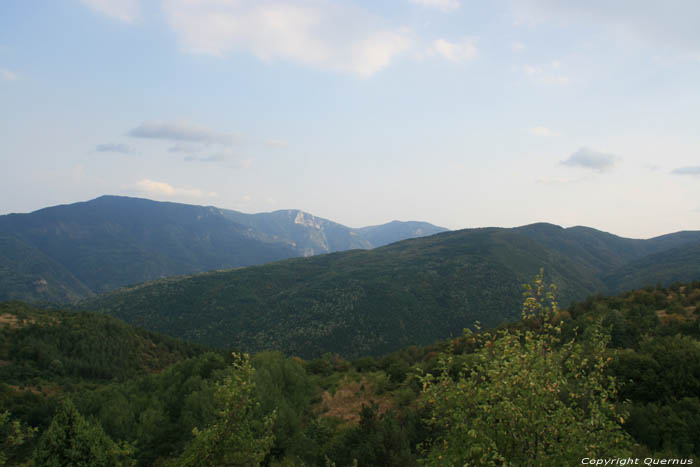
(27, 273)
(639, 353)
(675, 265)
(39, 346)
(395, 231)
(370, 302)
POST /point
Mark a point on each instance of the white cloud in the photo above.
(517, 46)
(127, 11)
(531, 70)
(181, 131)
(156, 188)
(319, 33)
(591, 159)
(9, 75)
(445, 5)
(456, 51)
(688, 170)
(541, 131)
(544, 74)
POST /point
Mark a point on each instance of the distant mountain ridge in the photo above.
(369, 302)
(68, 252)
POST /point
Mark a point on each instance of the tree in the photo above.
(238, 436)
(72, 441)
(12, 436)
(524, 398)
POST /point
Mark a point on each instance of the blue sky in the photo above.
(460, 113)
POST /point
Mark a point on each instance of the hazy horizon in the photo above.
(346, 225)
(445, 111)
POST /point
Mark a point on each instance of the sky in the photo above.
(459, 113)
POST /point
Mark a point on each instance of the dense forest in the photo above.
(607, 376)
(371, 302)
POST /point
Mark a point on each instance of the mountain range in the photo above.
(70, 252)
(413, 292)
(291, 281)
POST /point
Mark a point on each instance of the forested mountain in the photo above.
(64, 346)
(674, 265)
(411, 292)
(63, 253)
(627, 365)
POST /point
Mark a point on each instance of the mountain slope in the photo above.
(81, 249)
(64, 346)
(674, 265)
(374, 301)
(599, 251)
(27, 273)
(394, 231)
(111, 242)
(308, 234)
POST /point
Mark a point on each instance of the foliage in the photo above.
(653, 344)
(388, 439)
(156, 413)
(62, 346)
(524, 399)
(73, 441)
(236, 437)
(282, 386)
(12, 436)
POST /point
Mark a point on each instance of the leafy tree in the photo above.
(237, 437)
(73, 441)
(525, 398)
(384, 439)
(283, 386)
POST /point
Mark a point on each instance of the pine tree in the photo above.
(72, 441)
(12, 436)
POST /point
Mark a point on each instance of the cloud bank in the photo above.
(153, 187)
(127, 11)
(327, 35)
(456, 51)
(688, 170)
(591, 159)
(181, 131)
